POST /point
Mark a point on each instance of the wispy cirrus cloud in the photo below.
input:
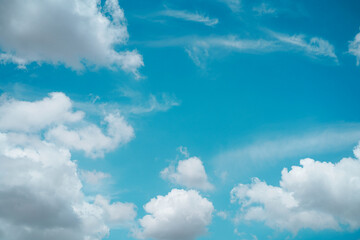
(190, 16)
(264, 9)
(277, 148)
(201, 48)
(234, 5)
(313, 46)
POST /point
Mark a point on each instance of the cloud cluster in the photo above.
(74, 33)
(189, 173)
(180, 215)
(40, 191)
(53, 114)
(315, 195)
(91, 139)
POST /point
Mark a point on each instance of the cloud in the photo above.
(180, 215)
(154, 104)
(78, 34)
(222, 214)
(93, 177)
(315, 195)
(184, 151)
(188, 16)
(189, 173)
(56, 117)
(117, 213)
(313, 47)
(40, 190)
(32, 116)
(329, 139)
(354, 48)
(264, 9)
(234, 5)
(91, 139)
(200, 49)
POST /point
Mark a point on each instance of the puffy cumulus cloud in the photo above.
(180, 215)
(91, 139)
(354, 48)
(189, 173)
(32, 116)
(75, 33)
(315, 195)
(40, 190)
(41, 195)
(55, 116)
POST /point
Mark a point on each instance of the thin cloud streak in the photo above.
(189, 16)
(305, 145)
(200, 48)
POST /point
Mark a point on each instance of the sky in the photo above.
(179, 120)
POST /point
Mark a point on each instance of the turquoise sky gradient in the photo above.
(249, 89)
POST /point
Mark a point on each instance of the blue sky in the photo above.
(175, 119)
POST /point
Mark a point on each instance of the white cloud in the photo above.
(91, 139)
(154, 104)
(234, 5)
(264, 9)
(56, 117)
(189, 173)
(180, 215)
(184, 151)
(222, 214)
(40, 191)
(94, 177)
(313, 47)
(276, 148)
(315, 195)
(188, 16)
(117, 213)
(354, 48)
(75, 33)
(32, 116)
(41, 178)
(200, 49)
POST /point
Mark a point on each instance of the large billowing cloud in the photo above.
(180, 215)
(41, 194)
(189, 173)
(76, 33)
(315, 195)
